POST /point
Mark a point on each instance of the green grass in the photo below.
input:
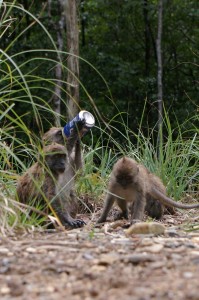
(174, 157)
(175, 161)
(176, 165)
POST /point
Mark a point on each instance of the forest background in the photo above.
(118, 38)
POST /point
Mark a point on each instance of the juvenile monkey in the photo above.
(44, 183)
(132, 184)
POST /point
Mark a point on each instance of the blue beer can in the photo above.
(82, 115)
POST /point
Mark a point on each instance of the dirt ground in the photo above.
(102, 263)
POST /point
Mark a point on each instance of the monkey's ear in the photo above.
(59, 132)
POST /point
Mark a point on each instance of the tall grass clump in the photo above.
(20, 86)
(173, 155)
(174, 159)
(27, 84)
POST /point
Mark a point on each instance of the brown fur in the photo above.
(139, 189)
(74, 161)
(55, 134)
(44, 183)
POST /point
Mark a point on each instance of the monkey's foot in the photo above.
(101, 220)
(170, 210)
(121, 215)
(68, 221)
(75, 223)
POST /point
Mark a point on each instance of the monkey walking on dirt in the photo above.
(55, 176)
(131, 184)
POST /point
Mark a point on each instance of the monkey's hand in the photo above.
(75, 135)
(79, 125)
(79, 128)
(68, 221)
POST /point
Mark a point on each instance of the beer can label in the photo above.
(82, 115)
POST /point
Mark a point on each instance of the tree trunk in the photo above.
(83, 39)
(58, 27)
(147, 38)
(159, 63)
(72, 60)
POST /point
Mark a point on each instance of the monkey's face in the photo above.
(125, 172)
(56, 162)
(124, 179)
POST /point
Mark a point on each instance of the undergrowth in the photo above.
(174, 159)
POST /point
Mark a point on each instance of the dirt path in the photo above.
(90, 264)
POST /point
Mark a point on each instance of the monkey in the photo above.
(45, 182)
(131, 184)
(55, 134)
(74, 162)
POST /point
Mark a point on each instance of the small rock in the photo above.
(154, 248)
(88, 256)
(50, 289)
(31, 250)
(4, 250)
(139, 258)
(158, 264)
(195, 240)
(97, 269)
(170, 221)
(4, 269)
(145, 228)
(93, 292)
(121, 240)
(195, 253)
(195, 258)
(146, 242)
(4, 290)
(187, 275)
(172, 232)
(107, 259)
(176, 257)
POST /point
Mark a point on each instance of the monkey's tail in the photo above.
(169, 202)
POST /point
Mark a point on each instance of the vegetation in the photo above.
(126, 111)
